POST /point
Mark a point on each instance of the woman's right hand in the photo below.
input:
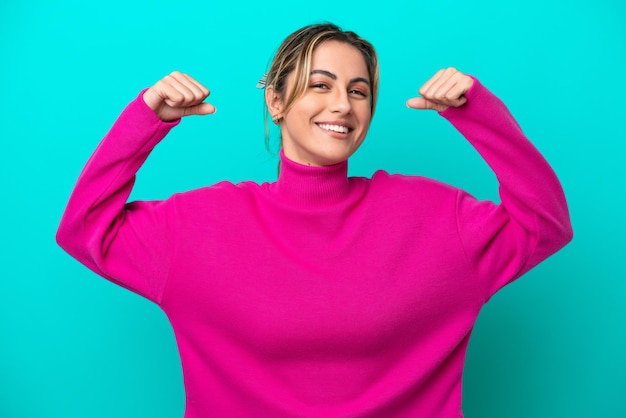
(177, 95)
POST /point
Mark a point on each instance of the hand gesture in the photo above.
(177, 95)
(446, 88)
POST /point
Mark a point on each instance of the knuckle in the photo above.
(189, 97)
(177, 98)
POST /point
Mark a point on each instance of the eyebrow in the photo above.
(334, 77)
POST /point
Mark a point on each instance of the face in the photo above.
(329, 123)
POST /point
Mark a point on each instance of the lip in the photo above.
(333, 134)
(335, 122)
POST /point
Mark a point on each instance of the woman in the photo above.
(319, 295)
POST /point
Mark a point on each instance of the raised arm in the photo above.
(129, 243)
(532, 221)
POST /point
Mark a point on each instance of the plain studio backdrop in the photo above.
(74, 345)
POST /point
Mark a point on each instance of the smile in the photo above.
(334, 128)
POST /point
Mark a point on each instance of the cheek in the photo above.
(366, 118)
(364, 110)
(304, 111)
(365, 128)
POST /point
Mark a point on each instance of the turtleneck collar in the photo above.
(316, 186)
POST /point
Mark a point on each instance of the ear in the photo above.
(274, 101)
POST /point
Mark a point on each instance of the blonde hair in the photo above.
(295, 54)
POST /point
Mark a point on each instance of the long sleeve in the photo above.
(127, 243)
(532, 221)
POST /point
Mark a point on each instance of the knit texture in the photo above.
(320, 295)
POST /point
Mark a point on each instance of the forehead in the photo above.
(340, 58)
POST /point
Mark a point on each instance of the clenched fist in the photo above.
(446, 88)
(177, 95)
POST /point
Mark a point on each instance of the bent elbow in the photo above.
(64, 238)
(567, 233)
(68, 238)
(561, 232)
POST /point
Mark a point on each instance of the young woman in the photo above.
(319, 295)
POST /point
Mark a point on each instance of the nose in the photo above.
(340, 102)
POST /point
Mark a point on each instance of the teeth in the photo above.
(334, 128)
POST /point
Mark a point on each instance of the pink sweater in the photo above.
(320, 295)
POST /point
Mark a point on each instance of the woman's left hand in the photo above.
(446, 88)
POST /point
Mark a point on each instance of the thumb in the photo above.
(420, 103)
(200, 109)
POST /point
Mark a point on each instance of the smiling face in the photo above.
(328, 123)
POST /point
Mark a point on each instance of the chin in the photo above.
(336, 156)
(332, 159)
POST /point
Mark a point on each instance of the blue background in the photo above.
(552, 344)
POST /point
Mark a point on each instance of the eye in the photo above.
(320, 86)
(358, 93)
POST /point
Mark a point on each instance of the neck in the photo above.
(312, 185)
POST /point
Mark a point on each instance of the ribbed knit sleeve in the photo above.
(532, 221)
(130, 244)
